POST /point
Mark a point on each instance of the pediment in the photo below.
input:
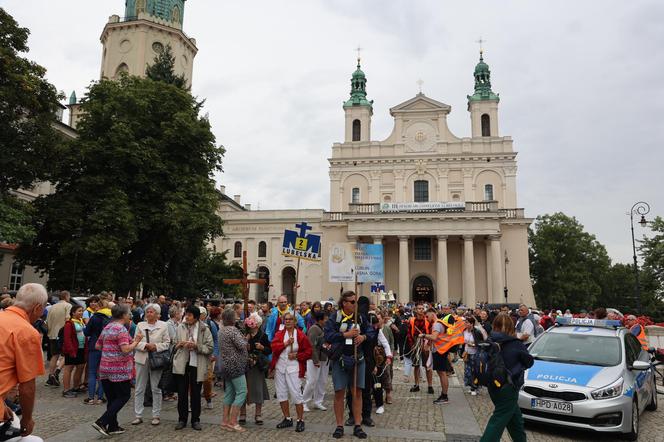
(421, 103)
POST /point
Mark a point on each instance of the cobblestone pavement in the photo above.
(412, 417)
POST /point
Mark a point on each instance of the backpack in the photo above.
(488, 367)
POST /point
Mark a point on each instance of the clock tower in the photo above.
(131, 43)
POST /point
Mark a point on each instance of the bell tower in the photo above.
(483, 104)
(358, 109)
(132, 42)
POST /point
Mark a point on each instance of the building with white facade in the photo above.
(444, 207)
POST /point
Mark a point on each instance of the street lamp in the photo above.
(641, 208)
(507, 261)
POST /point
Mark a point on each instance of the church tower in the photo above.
(483, 104)
(358, 109)
(132, 42)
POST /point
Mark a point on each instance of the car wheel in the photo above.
(634, 433)
(652, 406)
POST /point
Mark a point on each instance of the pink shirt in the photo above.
(116, 366)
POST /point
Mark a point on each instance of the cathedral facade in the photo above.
(443, 207)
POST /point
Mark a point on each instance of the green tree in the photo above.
(162, 69)
(28, 105)
(567, 263)
(210, 269)
(135, 200)
(651, 250)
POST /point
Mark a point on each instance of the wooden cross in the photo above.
(245, 283)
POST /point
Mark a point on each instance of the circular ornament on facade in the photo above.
(157, 47)
(125, 46)
(420, 137)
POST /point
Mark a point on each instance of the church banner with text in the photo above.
(341, 263)
(369, 263)
(300, 244)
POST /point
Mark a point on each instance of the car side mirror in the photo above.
(640, 365)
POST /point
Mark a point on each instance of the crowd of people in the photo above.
(170, 350)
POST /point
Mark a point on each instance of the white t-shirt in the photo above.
(192, 335)
(528, 328)
(285, 365)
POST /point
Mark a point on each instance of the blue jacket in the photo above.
(94, 328)
(515, 354)
(334, 337)
(214, 329)
(272, 322)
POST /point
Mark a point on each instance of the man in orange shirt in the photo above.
(21, 360)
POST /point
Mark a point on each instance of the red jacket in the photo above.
(70, 342)
(304, 349)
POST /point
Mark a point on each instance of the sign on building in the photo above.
(301, 244)
(417, 207)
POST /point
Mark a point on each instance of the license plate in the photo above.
(547, 405)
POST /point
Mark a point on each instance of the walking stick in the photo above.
(357, 323)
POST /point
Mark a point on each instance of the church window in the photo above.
(486, 125)
(237, 250)
(488, 192)
(422, 249)
(175, 16)
(421, 191)
(355, 195)
(140, 6)
(158, 47)
(122, 68)
(357, 130)
(16, 276)
(262, 249)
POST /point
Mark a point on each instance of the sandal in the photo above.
(237, 428)
(338, 433)
(359, 432)
(258, 420)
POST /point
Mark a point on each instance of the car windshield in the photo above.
(578, 348)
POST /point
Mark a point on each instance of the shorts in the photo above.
(441, 362)
(418, 359)
(54, 346)
(78, 360)
(343, 379)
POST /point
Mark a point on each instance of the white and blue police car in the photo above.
(589, 374)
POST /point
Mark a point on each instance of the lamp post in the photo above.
(507, 261)
(641, 208)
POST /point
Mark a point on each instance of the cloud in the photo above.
(580, 88)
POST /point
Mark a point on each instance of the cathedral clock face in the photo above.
(420, 137)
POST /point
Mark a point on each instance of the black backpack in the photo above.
(488, 367)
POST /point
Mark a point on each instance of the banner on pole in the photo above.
(341, 263)
(300, 244)
(369, 263)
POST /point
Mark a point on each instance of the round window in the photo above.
(157, 47)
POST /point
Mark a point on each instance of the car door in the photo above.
(642, 381)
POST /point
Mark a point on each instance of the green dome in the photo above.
(482, 77)
(358, 89)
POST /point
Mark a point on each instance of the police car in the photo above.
(589, 374)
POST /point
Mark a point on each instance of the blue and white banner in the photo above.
(369, 263)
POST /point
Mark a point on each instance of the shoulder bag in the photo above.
(158, 360)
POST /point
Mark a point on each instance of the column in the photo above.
(468, 272)
(404, 273)
(489, 271)
(496, 269)
(442, 280)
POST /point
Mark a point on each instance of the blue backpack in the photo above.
(488, 367)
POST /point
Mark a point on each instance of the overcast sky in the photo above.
(581, 88)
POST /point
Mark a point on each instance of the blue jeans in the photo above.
(467, 372)
(94, 385)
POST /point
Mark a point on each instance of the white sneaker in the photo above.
(209, 406)
(320, 407)
(306, 408)
(473, 393)
(380, 410)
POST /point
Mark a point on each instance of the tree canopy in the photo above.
(567, 264)
(162, 69)
(135, 201)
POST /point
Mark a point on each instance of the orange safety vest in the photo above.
(427, 327)
(447, 339)
(641, 336)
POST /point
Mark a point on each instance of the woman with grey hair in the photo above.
(156, 338)
(233, 353)
(115, 368)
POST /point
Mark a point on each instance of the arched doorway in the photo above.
(288, 283)
(423, 289)
(262, 294)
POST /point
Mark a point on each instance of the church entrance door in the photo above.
(288, 283)
(262, 294)
(423, 289)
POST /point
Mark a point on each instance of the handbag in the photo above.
(158, 360)
(167, 380)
